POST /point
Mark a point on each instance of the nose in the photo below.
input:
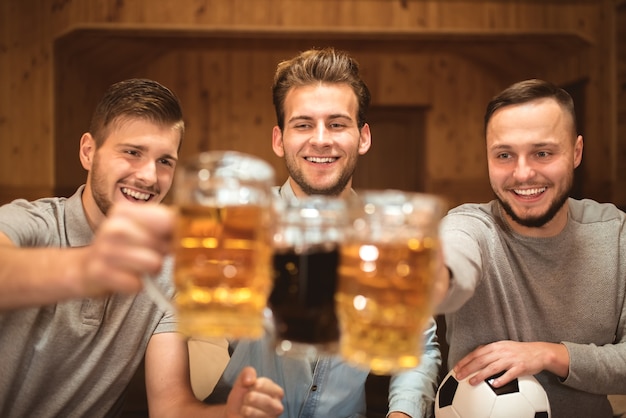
(147, 172)
(321, 135)
(523, 170)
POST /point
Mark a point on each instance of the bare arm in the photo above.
(168, 385)
(170, 394)
(132, 241)
(30, 277)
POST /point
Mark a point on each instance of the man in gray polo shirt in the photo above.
(73, 328)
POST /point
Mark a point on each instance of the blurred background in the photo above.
(432, 66)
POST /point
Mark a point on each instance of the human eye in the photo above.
(337, 125)
(299, 123)
(543, 154)
(132, 152)
(167, 162)
(503, 156)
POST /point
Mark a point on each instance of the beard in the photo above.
(335, 189)
(539, 220)
(98, 186)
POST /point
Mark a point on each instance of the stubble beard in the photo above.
(334, 189)
(547, 216)
(98, 187)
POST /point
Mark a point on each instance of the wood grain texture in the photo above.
(447, 57)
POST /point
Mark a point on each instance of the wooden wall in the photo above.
(445, 57)
(619, 194)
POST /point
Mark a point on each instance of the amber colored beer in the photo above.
(384, 302)
(222, 270)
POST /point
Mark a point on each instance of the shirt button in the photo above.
(313, 388)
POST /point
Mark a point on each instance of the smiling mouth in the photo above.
(321, 160)
(529, 192)
(144, 197)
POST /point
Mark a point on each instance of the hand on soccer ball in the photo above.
(515, 358)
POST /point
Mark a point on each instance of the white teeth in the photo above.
(321, 159)
(136, 195)
(529, 192)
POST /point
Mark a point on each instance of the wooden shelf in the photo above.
(375, 39)
(95, 44)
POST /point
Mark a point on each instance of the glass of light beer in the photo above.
(222, 245)
(307, 236)
(386, 278)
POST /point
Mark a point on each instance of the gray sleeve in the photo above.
(591, 368)
(165, 282)
(462, 255)
(27, 224)
(600, 369)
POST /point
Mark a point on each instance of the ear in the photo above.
(365, 139)
(87, 150)
(578, 151)
(277, 142)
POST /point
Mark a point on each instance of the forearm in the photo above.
(462, 258)
(168, 386)
(37, 276)
(597, 368)
(556, 359)
(442, 280)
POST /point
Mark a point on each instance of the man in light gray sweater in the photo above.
(537, 280)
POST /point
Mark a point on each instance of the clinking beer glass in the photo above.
(386, 277)
(222, 251)
(307, 235)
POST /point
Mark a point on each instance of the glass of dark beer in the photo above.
(307, 237)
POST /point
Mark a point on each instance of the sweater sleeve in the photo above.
(598, 369)
(462, 256)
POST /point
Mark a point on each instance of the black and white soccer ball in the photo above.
(523, 397)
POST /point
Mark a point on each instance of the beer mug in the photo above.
(222, 245)
(386, 277)
(307, 235)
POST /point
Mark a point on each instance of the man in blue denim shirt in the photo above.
(320, 103)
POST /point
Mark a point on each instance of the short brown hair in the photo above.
(136, 98)
(528, 91)
(319, 66)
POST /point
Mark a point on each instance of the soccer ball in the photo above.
(524, 397)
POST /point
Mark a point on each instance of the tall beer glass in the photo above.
(386, 278)
(307, 235)
(223, 244)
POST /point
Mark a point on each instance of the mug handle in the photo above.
(156, 295)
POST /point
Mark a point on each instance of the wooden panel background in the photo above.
(449, 57)
(620, 168)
